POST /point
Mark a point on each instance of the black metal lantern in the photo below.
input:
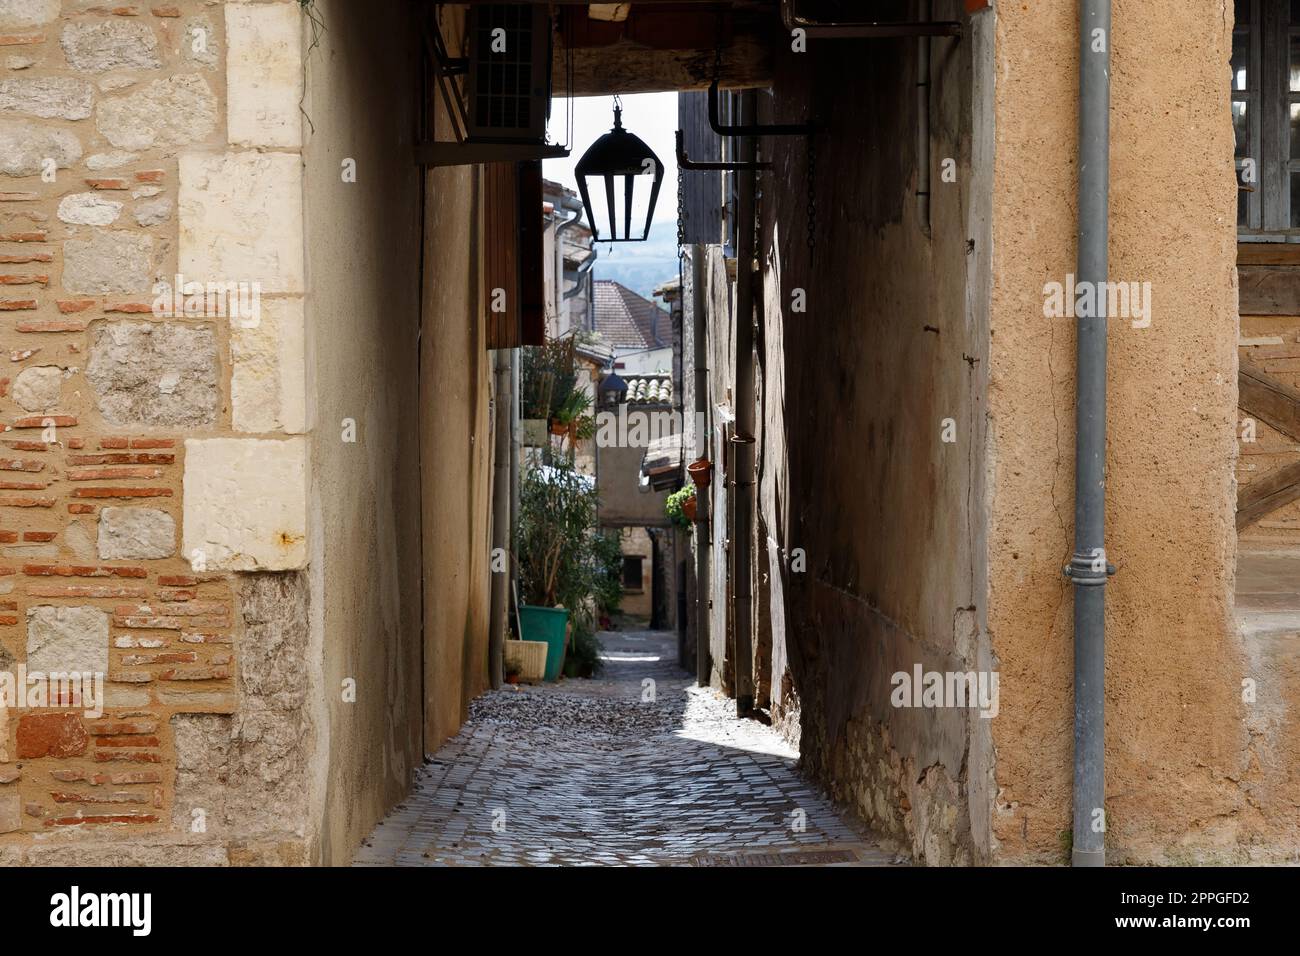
(619, 153)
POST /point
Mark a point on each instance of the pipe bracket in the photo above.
(1082, 571)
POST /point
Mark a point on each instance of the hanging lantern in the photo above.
(619, 153)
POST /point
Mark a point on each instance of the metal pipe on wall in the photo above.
(513, 591)
(1089, 567)
(742, 534)
(703, 541)
(501, 402)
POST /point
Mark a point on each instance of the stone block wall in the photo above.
(146, 456)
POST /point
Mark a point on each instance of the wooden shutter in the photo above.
(513, 277)
(532, 274)
(500, 254)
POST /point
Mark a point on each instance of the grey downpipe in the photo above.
(512, 595)
(581, 286)
(1088, 566)
(742, 535)
(500, 514)
(703, 543)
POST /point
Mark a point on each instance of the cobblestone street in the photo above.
(635, 767)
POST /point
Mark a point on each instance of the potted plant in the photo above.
(680, 507)
(548, 376)
(572, 418)
(565, 567)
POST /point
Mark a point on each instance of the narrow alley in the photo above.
(634, 767)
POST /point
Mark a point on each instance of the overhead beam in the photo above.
(666, 49)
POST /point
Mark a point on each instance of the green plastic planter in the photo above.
(549, 624)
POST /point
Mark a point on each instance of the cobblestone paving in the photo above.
(636, 767)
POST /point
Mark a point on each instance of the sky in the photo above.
(651, 116)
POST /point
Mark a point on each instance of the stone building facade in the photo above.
(152, 451)
(213, 498)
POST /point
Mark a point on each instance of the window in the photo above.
(632, 572)
(1266, 119)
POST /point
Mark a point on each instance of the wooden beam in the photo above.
(628, 68)
(1265, 495)
(1268, 290)
(1271, 401)
(661, 52)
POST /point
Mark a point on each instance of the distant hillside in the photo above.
(641, 266)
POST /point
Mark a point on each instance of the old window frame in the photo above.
(637, 561)
(1264, 207)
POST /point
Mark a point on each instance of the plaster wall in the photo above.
(456, 441)
(363, 269)
(1183, 773)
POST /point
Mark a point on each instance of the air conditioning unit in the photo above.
(508, 82)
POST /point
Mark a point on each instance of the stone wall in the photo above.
(148, 456)
(872, 351)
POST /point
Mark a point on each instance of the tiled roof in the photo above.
(649, 389)
(626, 320)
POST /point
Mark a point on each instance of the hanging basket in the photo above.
(701, 472)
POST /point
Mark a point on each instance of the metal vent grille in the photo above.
(508, 86)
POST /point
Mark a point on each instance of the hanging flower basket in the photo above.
(701, 472)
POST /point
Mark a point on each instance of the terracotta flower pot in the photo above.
(701, 472)
(688, 508)
(558, 427)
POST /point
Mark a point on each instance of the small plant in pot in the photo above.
(680, 507)
(573, 418)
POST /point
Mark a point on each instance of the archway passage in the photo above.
(769, 233)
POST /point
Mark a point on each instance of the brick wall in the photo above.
(147, 457)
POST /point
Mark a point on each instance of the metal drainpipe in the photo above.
(512, 592)
(703, 544)
(742, 535)
(1088, 565)
(500, 513)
